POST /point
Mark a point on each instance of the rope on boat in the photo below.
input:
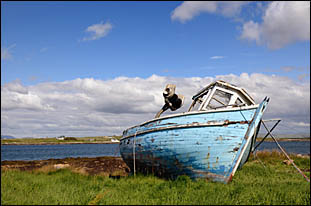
(134, 142)
(242, 113)
(291, 161)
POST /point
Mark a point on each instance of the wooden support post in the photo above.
(278, 121)
(291, 161)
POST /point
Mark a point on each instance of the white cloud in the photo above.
(284, 22)
(301, 124)
(15, 96)
(91, 107)
(189, 9)
(98, 31)
(217, 57)
(6, 53)
(251, 31)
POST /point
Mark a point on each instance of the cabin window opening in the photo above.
(238, 102)
(198, 103)
(219, 99)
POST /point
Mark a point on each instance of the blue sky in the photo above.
(92, 46)
(46, 43)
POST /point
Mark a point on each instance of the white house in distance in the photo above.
(60, 137)
(114, 140)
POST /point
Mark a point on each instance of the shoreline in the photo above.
(108, 165)
(91, 165)
(57, 143)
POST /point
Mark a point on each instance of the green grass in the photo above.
(263, 180)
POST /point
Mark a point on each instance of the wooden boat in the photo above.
(211, 140)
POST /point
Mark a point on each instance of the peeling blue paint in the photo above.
(201, 145)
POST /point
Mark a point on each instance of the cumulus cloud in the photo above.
(251, 31)
(284, 22)
(15, 96)
(92, 107)
(98, 31)
(189, 9)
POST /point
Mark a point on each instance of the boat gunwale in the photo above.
(182, 126)
(192, 113)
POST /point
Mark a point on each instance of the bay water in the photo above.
(60, 151)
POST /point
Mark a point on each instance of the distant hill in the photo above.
(7, 137)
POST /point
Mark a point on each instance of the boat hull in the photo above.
(209, 145)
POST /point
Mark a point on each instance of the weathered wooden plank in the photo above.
(211, 151)
(196, 118)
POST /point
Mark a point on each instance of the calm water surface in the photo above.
(60, 151)
(41, 152)
(298, 147)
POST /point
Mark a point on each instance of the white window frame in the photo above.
(208, 98)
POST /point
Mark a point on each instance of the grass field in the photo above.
(263, 180)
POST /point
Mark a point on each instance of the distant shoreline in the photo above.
(58, 143)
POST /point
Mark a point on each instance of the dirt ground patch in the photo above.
(112, 166)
